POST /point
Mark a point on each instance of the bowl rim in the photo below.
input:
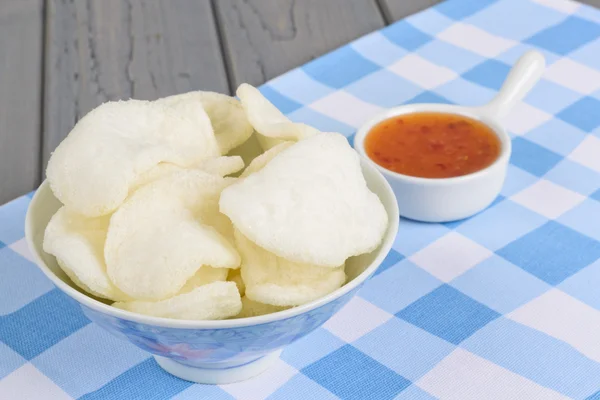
(95, 305)
(470, 112)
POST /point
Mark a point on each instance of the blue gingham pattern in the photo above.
(502, 305)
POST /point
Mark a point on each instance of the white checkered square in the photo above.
(524, 118)
(20, 247)
(450, 256)
(475, 40)
(27, 383)
(564, 6)
(588, 153)
(548, 199)
(422, 72)
(563, 317)
(466, 376)
(345, 323)
(262, 386)
(574, 76)
(346, 108)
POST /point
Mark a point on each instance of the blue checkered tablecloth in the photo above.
(502, 305)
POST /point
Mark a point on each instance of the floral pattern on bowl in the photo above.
(235, 345)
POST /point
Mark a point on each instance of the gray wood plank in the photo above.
(264, 38)
(20, 102)
(394, 10)
(595, 3)
(398, 9)
(113, 49)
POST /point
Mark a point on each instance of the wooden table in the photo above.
(61, 58)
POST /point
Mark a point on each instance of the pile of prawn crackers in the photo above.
(159, 218)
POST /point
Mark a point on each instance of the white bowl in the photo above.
(213, 352)
(450, 199)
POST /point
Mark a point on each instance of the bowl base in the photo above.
(216, 375)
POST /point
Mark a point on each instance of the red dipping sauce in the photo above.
(432, 145)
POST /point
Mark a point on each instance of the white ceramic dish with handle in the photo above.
(450, 199)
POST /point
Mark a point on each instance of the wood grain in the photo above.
(20, 96)
(264, 38)
(395, 10)
(85, 52)
(113, 49)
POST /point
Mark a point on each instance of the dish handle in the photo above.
(528, 69)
